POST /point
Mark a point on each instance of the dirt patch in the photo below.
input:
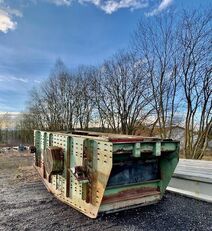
(25, 204)
(26, 174)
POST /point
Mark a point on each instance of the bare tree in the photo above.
(25, 127)
(122, 94)
(53, 103)
(64, 101)
(154, 42)
(195, 49)
(1, 122)
(167, 74)
(84, 96)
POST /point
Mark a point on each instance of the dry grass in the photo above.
(18, 165)
(27, 174)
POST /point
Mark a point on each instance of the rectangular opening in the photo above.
(134, 171)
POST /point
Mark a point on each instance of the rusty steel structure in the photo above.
(100, 172)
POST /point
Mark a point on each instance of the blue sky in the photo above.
(34, 33)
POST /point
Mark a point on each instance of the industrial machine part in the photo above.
(32, 149)
(100, 172)
(21, 148)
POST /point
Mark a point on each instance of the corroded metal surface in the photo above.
(129, 194)
(97, 172)
(53, 159)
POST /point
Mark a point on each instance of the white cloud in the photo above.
(9, 78)
(13, 12)
(163, 5)
(61, 2)
(37, 81)
(110, 6)
(6, 22)
(20, 79)
(6, 17)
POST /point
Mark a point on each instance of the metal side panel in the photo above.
(192, 188)
(83, 196)
(193, 178)
(87, 196)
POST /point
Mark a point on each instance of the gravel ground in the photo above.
(25, 204)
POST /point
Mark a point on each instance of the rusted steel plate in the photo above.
(130, 194)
